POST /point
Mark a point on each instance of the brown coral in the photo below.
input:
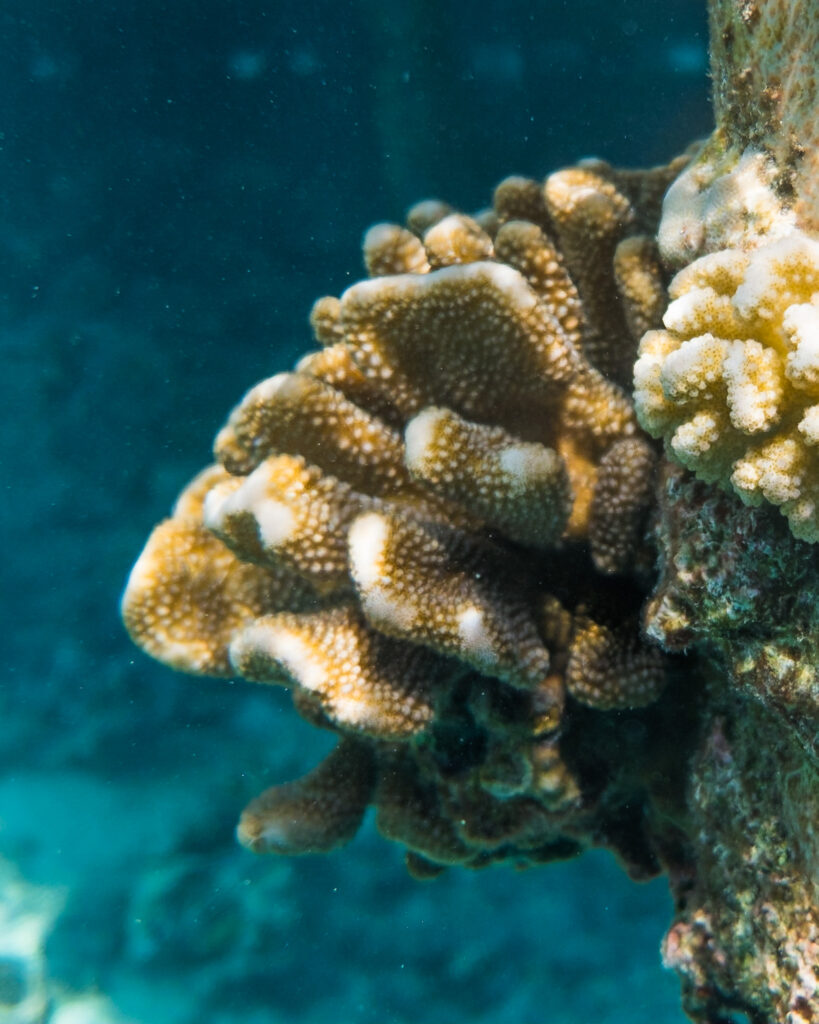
(188, 594)
(435, 532)
(315, 813)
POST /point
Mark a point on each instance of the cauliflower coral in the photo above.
(732, 383)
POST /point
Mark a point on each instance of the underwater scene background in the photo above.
(180, 181)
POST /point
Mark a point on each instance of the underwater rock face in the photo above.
(746, 936)
(735, 583)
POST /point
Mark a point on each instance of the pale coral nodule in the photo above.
(732, 383)
(436, 531)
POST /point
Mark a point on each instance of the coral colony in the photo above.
(451, 532)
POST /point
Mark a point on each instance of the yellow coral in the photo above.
(435, 591)
(732, 383)
(521, 487)
(434, 531)
(363, 682)
(188, 594)
(607, 669)
(287, 513)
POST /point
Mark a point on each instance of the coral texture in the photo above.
(732, 384)
(435, 531)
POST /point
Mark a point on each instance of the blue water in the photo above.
(179, 181)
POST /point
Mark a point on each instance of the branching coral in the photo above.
(435, 532)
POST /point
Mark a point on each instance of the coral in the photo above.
(187, 593)
(27, 914)
(316, 813)
(732, 384)
(435, 532)
(360, 680)
(29, 992)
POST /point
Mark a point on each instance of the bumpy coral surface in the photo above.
(435, 532)
(732, 383)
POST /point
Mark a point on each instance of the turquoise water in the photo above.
(180, 181)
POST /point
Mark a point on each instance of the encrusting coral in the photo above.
(435, 530)
(446, 532)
